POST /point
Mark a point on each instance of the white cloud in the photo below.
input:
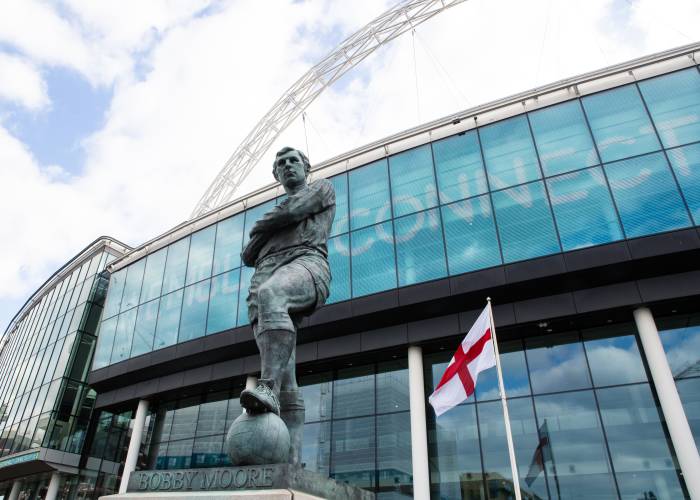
(21, 82)
(41, 220)
(36, 30)
(190, 83)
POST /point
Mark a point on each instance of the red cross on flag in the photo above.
(474, 355)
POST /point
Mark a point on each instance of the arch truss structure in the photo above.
(399, 19)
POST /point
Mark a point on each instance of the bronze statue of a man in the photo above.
(288, 249)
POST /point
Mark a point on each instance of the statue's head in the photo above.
(291, 167)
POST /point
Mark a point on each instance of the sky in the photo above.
(115, 116)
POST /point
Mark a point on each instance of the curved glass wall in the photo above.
(622, 163)
(583, 415)
(44, 400)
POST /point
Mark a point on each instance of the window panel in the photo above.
(613, 356)
(394, 464)
(562, 137)
(212, 417)
(584, 209)
(509, 153)
(206, 451)
(194, 311)
(412, 181)
(557, 363)
(620, 124)
(223, 301)
(373, 262)
(252, 215)
(514, 368)
(453, 445)
(201, 255)
(674, 104)
(525, 222)
(689, 392)
(577, 458)
(168, 320)
(132, 287)
(494, 443)
(246, 275)
(686, 165)
(339, 261)
(646, 195)
(420, 250)
(234, 409)
(680, 337)
(229, 238)
(340, 222)
(185, 419)
(369, 194)
(353, 392)
(353, 452)
(459, 167)
(153, 276)
(114, 295)
(180, 454)
(392, 386)
(638, 445)
(145, 328)
(317, 390)
(105, 340)
(316, 447)
(123, 336)
(175, 265)
(470, 235)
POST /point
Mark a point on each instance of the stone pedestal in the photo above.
(277, 481)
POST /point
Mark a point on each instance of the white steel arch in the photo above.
(401, 18)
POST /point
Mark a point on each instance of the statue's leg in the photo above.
(292, 410)
(289, 289)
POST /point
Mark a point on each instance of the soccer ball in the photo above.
(258, 438)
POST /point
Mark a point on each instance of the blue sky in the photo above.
(54, 135)
(115, 116)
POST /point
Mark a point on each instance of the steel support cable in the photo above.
(354, 49)
(450, 83)
(415, 74)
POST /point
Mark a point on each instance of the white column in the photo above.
(52, 491)
(419, 431)
(251, 382)
(677, 423)
(14, 493)
(134, 444)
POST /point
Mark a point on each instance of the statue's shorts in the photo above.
(286, 287)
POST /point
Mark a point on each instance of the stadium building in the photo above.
(574, 206)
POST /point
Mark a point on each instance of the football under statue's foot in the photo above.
(259, 400)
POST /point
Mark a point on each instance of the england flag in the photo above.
(474, 355)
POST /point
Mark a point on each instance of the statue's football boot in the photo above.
(261, 399)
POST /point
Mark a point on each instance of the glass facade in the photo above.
(584, 418)
(680, 337)
(357, 428)
(622, 163)
(44, 400)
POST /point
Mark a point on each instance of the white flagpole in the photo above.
(506, 418)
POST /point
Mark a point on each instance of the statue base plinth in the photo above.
(251, 482)
(220, 495)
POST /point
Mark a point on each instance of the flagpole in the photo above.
(506, 418)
